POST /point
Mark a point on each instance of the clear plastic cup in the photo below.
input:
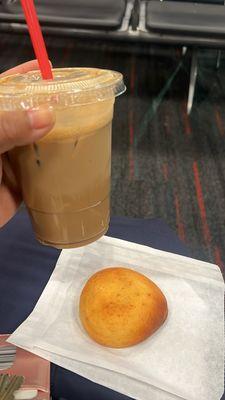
(65, 177)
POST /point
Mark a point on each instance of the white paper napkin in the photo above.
(185, 357)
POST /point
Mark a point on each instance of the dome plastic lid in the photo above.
(70, 87)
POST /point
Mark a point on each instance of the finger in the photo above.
(24, 127)
(22, 68)
(1, 169)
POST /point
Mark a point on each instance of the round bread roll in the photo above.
(120, 307)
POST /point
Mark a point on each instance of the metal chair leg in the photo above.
(184, 50)
(193, 76)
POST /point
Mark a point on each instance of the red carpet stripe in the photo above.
(167, 124)
(132, 75)
(131, 164)
(218, 259)
(165, 171)
(201, 204)
(131, 127)
(219, 122)
(66, 54)
(180, 225)
(186, 120)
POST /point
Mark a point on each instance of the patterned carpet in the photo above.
(165, 164)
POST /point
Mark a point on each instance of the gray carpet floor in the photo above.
(164, 163)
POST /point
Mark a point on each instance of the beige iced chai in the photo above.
(65, 177)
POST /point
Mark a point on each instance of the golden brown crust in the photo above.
(120, 307)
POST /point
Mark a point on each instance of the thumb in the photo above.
(18, 128)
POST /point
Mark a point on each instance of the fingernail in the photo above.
(39, 133)
(40, 118)
(41, 121)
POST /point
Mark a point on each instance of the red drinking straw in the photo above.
(37, 38)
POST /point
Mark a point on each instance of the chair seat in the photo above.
(221, 2)
(185, 17)
(87, 14)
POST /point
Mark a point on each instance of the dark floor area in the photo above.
(164, 163)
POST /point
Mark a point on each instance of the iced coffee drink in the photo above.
(65, 177)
